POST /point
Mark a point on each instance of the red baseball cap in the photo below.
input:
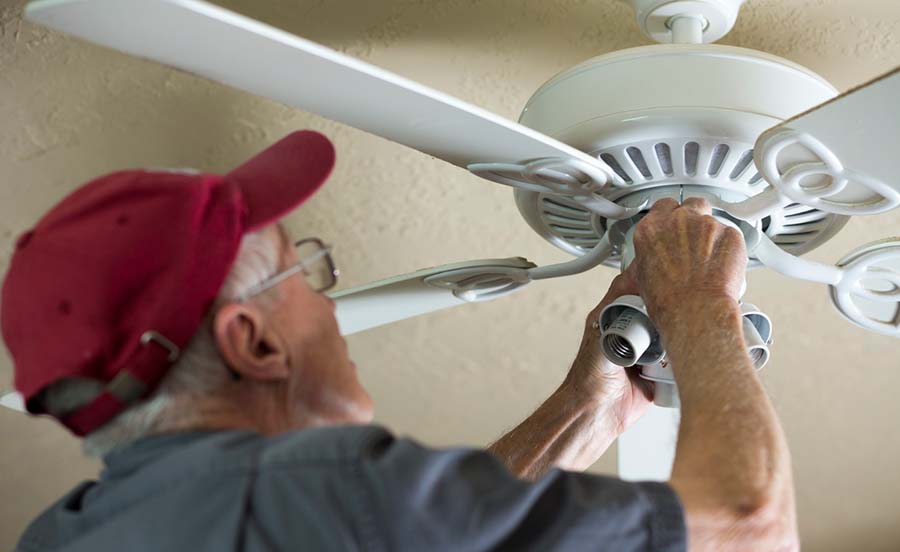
(115, 280)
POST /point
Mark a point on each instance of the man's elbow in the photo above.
(755, 505)
(767, 518)
(749, 516)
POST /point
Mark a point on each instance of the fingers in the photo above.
(623, 284)
(694, 204)
(645, 387)
(664, 206)
(631, 272)
(697, 205)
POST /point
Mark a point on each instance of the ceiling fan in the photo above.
(768, 143)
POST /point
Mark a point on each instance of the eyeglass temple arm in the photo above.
(281, 276)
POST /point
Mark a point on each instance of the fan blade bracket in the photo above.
(586, 262)
(864, 285)
(818, 183)
(868, 293)
(483, 283)
(429, 290)
(755, 208)
(574, 178)
(837, 157)
(771, 255)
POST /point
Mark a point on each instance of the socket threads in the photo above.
(757, 347)
(756, 356)
(619, 347)
(627, 338)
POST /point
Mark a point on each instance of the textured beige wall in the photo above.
(71, 111)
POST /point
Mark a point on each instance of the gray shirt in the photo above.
(344, 488)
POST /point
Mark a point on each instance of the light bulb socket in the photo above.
(628, 337)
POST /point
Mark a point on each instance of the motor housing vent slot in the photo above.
(613, 163)
(639, 162)
(691, 154)
(664, 158)
(719, 155)
(742, 164)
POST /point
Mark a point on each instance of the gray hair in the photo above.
(198, 372)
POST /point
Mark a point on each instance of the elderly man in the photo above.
(170, 320)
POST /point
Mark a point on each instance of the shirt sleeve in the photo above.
(464, 499)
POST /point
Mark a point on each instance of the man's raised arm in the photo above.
(732, 467)
(595, 404)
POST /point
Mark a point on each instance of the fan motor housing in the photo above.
(670, 116)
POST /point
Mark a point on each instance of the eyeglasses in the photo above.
(315, 263)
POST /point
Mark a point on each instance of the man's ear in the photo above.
(247, 344)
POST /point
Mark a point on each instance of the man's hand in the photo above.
(576, 424)
(621, 391)
(685, 255)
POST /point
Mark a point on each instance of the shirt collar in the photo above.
(125, 461)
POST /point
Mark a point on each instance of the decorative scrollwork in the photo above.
(884, 276)
(874, 265)
(573, 178)
(829, 166)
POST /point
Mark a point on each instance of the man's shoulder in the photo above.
(324, 445)
(236, 453)
(146, 479)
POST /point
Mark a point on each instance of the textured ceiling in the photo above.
(72, 111)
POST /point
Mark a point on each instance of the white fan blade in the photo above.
(646, 451)
(841, 156)
(224, 46)
(428, 290)
(13, 401)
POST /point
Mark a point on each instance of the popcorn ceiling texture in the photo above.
(72, 111)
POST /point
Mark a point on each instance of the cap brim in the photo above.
(283, 176)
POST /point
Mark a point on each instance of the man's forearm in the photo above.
(570, 430)
(731, 451)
